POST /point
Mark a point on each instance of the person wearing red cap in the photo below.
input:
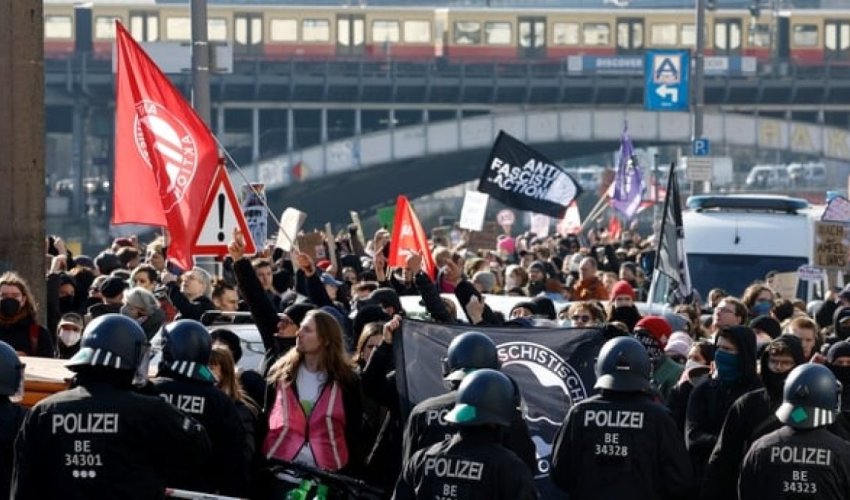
(622, 305)
(654, 332)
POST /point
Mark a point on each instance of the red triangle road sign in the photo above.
(222, 214)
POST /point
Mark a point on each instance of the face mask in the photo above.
(564, 322)
(842, 373)
(651, 345)
(9, 306)
(728, 366)
(843, 332)
(761, 308)
(774, 382)
(69, 337)
(66, 304)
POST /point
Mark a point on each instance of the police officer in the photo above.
(11, 413)
(184, 380)
(620, 444)
(101, 439)
(802, 459)
(427, 425)
(472, 464)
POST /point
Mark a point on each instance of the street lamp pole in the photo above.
(699, 82)
(200, 61)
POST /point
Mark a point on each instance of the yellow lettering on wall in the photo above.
(836, 145)
(769, 134)
(801, 140)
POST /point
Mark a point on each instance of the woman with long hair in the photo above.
(19, 318)
(315, 415)
(224, 368)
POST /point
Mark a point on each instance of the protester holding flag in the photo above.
(628, 182)
(192, 297)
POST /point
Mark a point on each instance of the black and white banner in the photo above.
(525, 179)
(554, 369)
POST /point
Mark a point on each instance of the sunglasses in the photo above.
(582, 318)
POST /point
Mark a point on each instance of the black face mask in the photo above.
(92, 301)
(628, 315)
(842, 373)
(66, 304)
(9, 306)
(773, 383)
(843, 332)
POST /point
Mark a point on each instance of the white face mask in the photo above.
(69, 337)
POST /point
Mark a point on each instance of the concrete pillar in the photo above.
(22, 142)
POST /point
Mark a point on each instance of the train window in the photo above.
(315, 30)
(532, 32)
(248, 29)
(596, 34)
(104, 27)
(58, 27)
(385, 31)
(689, 35)
(144, 26)
(663, 35)
(217, 29)
(727, 35)
(178, 28)
(760, 35)
(565, 34)
(417, 31)
(467, 33)
(805, 35)
(837, 36)
(284, 30)
(497, 33)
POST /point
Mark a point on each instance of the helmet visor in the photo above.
(18, 396)
(140, 378)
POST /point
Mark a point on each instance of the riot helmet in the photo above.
(486, 396)
(115, 342)
(811, 397)
(186, 347)
(623, 365)
(11, 373)
(469, 351)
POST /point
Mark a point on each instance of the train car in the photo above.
(279, 32)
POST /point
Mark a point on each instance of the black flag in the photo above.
(671, 262)
(554, 369)
(525, 179)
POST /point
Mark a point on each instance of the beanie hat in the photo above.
(545, 307)
(838, 350)
(539, 265)
(296, 312)
(531, 306)
(658, 327)
(112, 287)
(107, 262)
(767, 324)
(486, 279)
(622, 287)
(679, 344)
(506, 244)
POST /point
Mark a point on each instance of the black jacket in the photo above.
(427, 426)
(710, 401)
(100, 440)
(620, 446)
(17, 335)
(750, 417)
(770, 467)
(189, 309)
(383, 463)
(470, 466)
(224, 470)
(11, 418)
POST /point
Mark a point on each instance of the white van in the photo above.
(733, 240)
(768, 177)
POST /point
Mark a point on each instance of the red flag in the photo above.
(614, 228)
(409, 237)
(165, 156)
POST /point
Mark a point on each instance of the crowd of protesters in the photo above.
(325, 394)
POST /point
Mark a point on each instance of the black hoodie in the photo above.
(749, 418)
(710, 400)
(837, 333)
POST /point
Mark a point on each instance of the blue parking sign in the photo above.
(666, 80)
(702, 147)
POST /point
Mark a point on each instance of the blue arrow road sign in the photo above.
(666, 74)
(701, 147)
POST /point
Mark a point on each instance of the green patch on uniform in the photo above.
(205, 374)
(799, 415)
(464, 413)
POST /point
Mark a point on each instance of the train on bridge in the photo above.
(799, 37)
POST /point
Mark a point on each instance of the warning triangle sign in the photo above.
(222, 214)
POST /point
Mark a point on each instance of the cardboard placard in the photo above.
(785, 284)
(837, 210)
(313, 244)
(810, 273)
(830, 247)
(290, 223)
(329, 235)
(355, 218)
(486, 239)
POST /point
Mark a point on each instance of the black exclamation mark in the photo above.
(221, 217)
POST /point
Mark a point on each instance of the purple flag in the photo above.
(628, 182)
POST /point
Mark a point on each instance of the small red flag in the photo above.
(165, 156)
(409, 237)
(614, 228)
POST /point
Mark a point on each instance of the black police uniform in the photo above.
(621, 445)
(427, 426)
(796, 464)
(469, 466)
(101, 440)
(224, 470)
(11, 418)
